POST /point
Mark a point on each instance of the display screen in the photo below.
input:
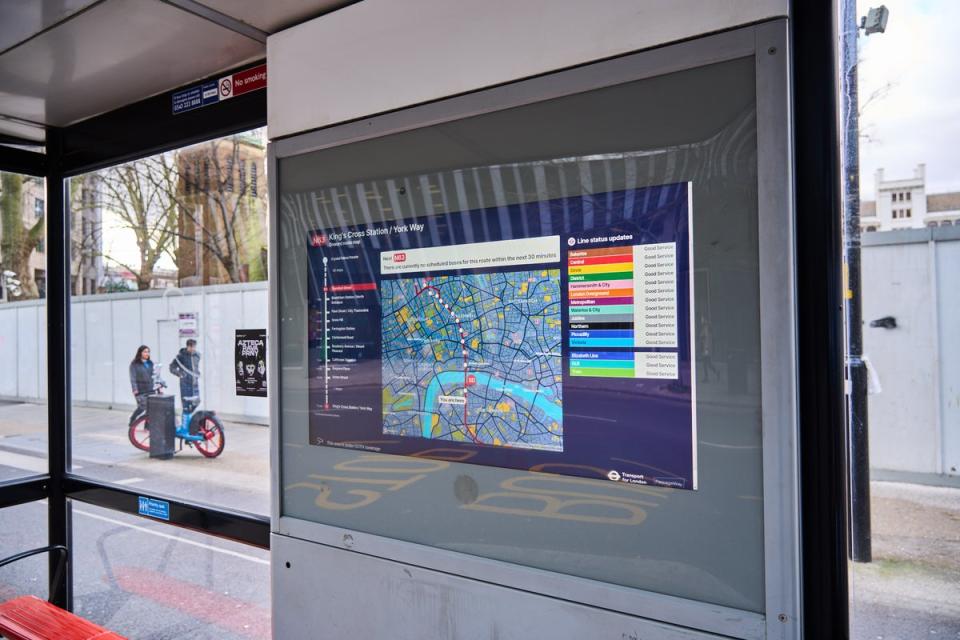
(552, 335)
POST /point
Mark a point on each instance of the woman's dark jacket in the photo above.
(141, 377)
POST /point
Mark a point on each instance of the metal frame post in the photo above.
(823, 460)
(58, 363)
(860, 546)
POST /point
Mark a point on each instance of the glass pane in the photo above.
(24, 527)
(23, 326)
(180, 243)
(520, 475)
(903, 254)
(144, 579)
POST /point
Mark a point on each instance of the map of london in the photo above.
(474, 358)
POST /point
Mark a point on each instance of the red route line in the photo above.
(233, 614)
(435, 293)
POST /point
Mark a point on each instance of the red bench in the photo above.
(30, 618)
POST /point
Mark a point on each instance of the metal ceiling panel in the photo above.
(274, 15)
(22, 130)
(22, 19)
(115, 53)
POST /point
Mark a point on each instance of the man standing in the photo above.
(186, 366)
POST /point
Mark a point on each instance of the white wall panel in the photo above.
(106, 331)
(42, 350)
(78, 351)
(127, 336)
(897, 281)
(378, 55)
(223, 317)
(9, 339)
(99, 349)
(28, 384)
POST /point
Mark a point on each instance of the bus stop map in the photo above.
(553, 335)
(474, 358)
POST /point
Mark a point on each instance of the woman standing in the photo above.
(141, 379)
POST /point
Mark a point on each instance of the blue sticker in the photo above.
(210, 93)
(154, 508)
(187, 99)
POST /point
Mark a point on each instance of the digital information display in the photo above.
(552, 336)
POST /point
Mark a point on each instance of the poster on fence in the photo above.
(250, 364)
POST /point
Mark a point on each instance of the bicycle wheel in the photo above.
(214, 438)
(139, 434)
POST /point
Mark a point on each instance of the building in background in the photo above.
(85, 231)
(904, 204)
(222, 211)
(86, 235)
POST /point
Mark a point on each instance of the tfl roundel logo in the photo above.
(614, 475)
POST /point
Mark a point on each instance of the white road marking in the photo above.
(168, 536)
(20, 461)
(129, 481)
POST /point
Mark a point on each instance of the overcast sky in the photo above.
(919, 119)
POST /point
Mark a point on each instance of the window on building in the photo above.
(871, 228)
(908, 213)
(231, 164)
(38, 205)
(253, 178)
(908, 196)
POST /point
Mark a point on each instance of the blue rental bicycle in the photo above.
(201, 430)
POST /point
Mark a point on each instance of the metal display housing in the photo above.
(767, 43)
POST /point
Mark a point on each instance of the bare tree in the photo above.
(137, 194)
(218, 200)
(19, 240)
(875, 96)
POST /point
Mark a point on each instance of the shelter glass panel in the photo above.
(145, 579)
(533, 335)
(23, 326)
(171, 273)
(24, 527)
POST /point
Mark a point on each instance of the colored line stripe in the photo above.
(613, 309)
(601, 364)
(595, 277)
(618, 267)
(601, 293)
(628, 300)
(577, 262)
(601, 342)
(608, 251)
(595, 285)
(600, 323)
(607, 317)
(601, 355)
(602, 373)
(608, 333)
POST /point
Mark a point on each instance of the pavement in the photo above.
(148, 580)
(911, 590)
(238, 479)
